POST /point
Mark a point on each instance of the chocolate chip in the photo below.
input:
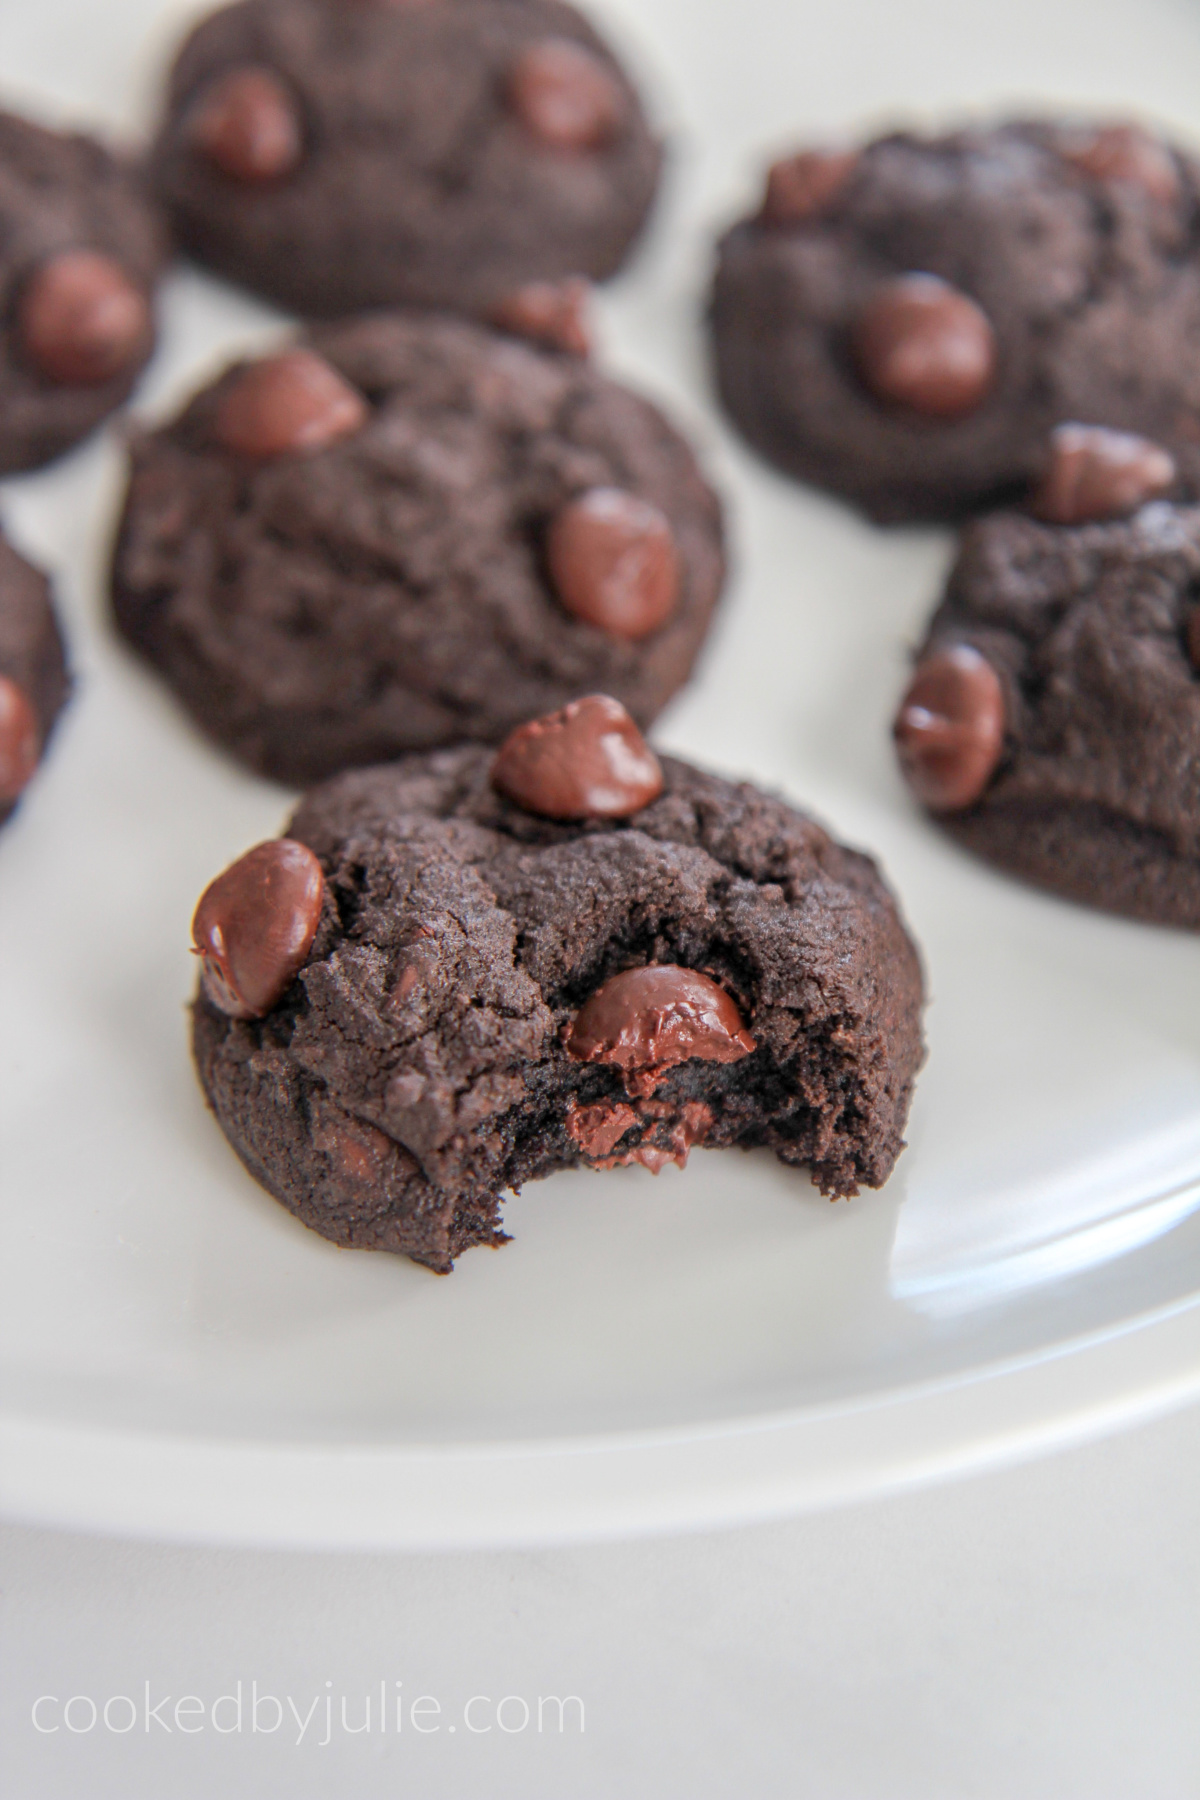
(588, 761)
(288, 405)
(667, 1133)
(599, 1129)
(247, 124)
(922, 344)
(255, 926)
(1129, 155)
(82, 319)
(646, 1021)
(801, 187)
(613, 563)
(950, 728)
(565, 95)
(549, 312)
(20, 740)
(1095, 473)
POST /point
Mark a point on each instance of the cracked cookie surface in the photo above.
(421, 1062)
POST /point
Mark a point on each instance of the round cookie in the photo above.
(81, 248)
(34, 683)
(409, 531)
(343, 155)
(429, 994)
(907, 323)
(1052, 724)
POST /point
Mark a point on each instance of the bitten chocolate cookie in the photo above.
(463, 972)
(906, 324)
(340, 155)
(81, 248)
(33, 674)
(1052, 724)
(410, 531)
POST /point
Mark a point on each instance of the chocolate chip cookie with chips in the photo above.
(467, 970)
(81, 248)
(340, 155)
(1052, 723)
(408, 530)
(907, 324)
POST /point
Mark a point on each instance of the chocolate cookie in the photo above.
(907, 324)
(430, 992)
(1053, 721)
(80, 251)
(410, 531)
(33, 674)
(339, 155)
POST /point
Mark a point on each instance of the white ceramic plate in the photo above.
(178, 1356)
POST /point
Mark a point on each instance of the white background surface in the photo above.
(1032, 1633)
(1028, 1636)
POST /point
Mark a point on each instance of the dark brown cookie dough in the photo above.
(340, 155)
(81, 248)
(1053, 721)
(906, 324)
(386, 583)
(33, 674)
(488, 996)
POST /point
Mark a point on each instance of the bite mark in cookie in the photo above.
(492, 995)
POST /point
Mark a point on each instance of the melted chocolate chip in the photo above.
(1129, 155)
(20, 741)
(565, 95)
(1095, 473)
(599, 1129)
(247, 125)
(950, 728)
(288, 405)
(588, 761)
(922, 344)
(684, 1131)
(554, 313)
(613, 562)
(801, 187)
(647, 1021)
(82, 320)
(668, 1133)
(255, 926)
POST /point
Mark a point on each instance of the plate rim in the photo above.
(527, 1493)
